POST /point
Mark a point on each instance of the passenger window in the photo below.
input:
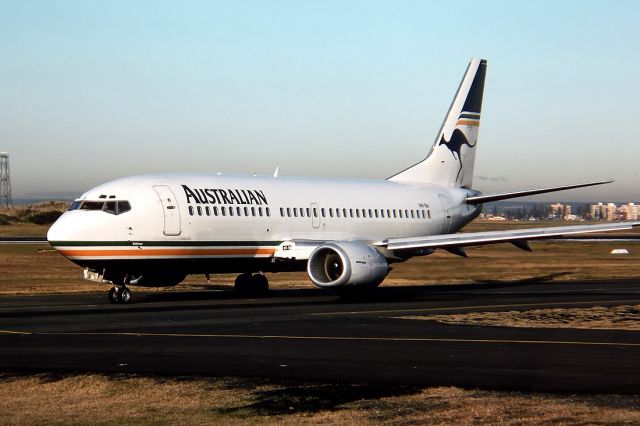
(322, 212)
(191, 210)
(330, 212)
(413, 214)
(295, 212)
(400, 213)
(357, 212)
(282, 211)
(350, 212)
(337, 212)
(301, 212)
(253, 211)
(308, 212)
(288, 211)
(260, 211)
(344, 212)
(230, 211)
(215, 211)
(238, 211)
(223, 210)
(268, 211)
(406, 214)
(370, 213)
(429, 214)
(246, 211)
(199, 211)
(207, 210)
(315, 212)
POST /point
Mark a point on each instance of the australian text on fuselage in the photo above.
(224, 196)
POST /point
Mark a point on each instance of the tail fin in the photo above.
(452, 156)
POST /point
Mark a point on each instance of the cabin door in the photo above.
(170, 209)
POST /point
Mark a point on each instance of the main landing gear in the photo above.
(251, 285)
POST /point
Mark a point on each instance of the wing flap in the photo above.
(495, 237)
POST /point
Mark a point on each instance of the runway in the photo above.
(312, 335)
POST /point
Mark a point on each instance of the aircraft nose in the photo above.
(67, 228)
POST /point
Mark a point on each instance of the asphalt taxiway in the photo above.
(312, 335)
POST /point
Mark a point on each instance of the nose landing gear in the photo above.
(120, 293)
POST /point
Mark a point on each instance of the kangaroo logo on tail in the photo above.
(455, 146)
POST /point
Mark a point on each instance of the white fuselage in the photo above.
(234, 217)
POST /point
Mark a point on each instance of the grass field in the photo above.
(29, 269)
(97, 399)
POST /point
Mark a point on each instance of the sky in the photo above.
(92, 91)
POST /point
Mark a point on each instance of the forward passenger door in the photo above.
(170, 210)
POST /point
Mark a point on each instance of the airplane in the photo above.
(154, 230)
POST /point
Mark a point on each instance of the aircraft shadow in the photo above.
(320, 296)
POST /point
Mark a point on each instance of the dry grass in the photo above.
(23, 230)
(607, 318)
(142, 400)
(31, 269)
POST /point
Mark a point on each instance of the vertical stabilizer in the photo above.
(450, 162)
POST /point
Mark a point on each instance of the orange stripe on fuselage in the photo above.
(167, 252)
(467, 123)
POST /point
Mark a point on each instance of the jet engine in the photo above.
(346, 264)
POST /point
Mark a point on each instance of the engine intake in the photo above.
(346, 264)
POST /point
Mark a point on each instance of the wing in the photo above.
(518, 237)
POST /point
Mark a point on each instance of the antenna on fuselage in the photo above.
(275, 174)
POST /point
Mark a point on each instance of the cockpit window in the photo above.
(123, 206)
(92, 205)
(111, 206)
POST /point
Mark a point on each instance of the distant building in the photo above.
(560, 211)
(629, 211)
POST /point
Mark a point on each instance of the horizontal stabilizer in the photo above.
(452, 241)
(485, 198)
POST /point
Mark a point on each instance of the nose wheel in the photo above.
(119, 294)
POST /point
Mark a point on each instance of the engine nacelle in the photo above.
(346, 264)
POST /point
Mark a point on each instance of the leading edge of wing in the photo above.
(485, 198)
(495, 237)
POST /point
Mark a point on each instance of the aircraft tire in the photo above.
(259, 284)
(124, 295)
(113, 295)
(242, 285)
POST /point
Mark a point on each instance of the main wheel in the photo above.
(242, 285)
(259, 284)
